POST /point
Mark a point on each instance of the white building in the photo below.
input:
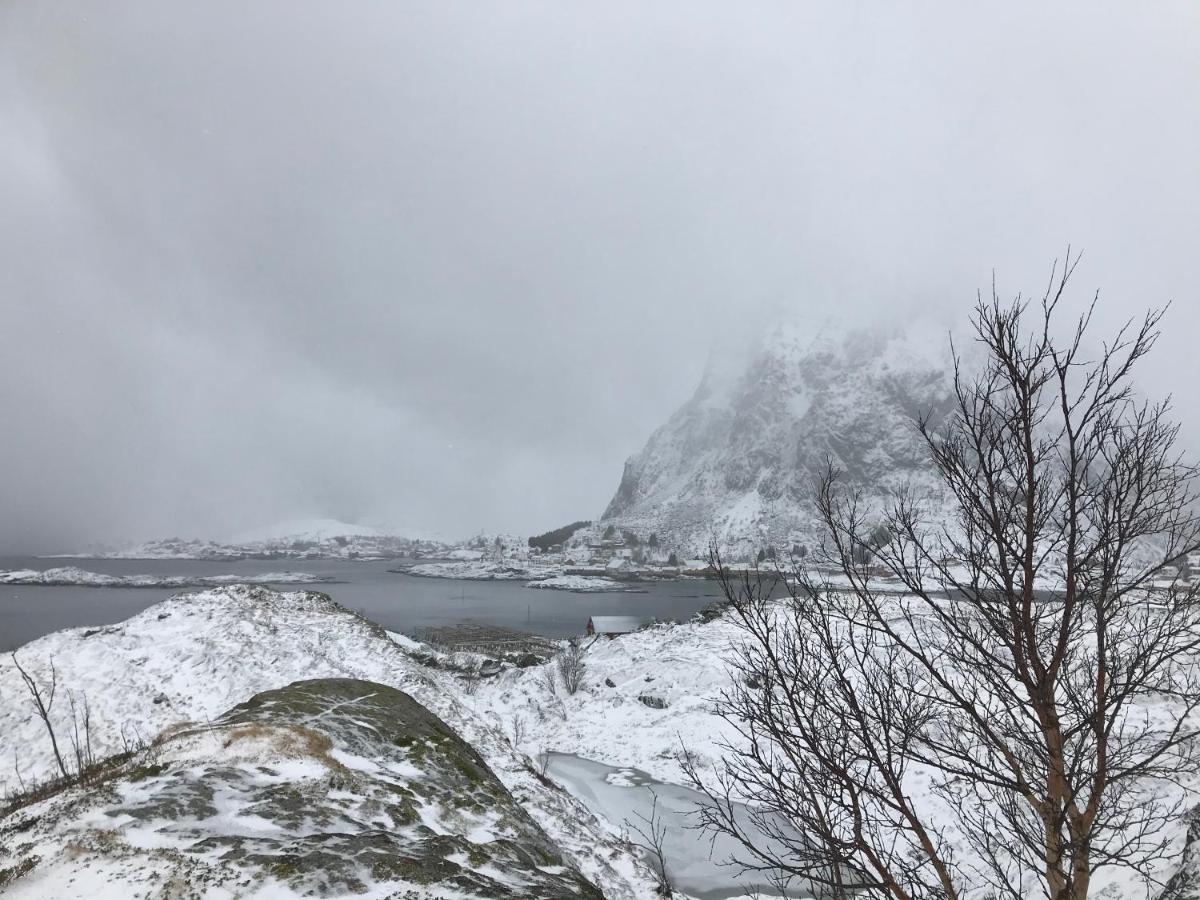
(611, 626)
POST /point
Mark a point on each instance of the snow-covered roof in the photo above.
(615, 624)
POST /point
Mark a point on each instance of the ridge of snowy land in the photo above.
(194, 656)
(549, 576)
(73, 576)
(313, 546)
(328, 787)
(298, 539)
(486, 570)
(319, 529)
(584, 584)
(645, 698)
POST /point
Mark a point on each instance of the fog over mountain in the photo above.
(738, 464)
(445, 267)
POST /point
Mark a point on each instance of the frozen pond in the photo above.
(694, 858)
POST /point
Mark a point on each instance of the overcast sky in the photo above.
(443, 266)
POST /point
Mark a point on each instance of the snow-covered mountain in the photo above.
(305, 530)
(317, 539)
(738, 461)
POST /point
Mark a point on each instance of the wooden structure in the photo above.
(611, 626)
(491, 640)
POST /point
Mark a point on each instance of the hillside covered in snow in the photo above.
(332, 787)
(302, 749)
(738, 461)
(302, 539)
(184, 665)
(73, 576)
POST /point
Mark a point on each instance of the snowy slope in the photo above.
(738, 461)
(328, 787)
(191, 658)
(304, 530)
(646, 698)
(682, 668)
(332, 542)
(70, 575)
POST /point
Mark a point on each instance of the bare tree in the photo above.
(548, 676)
(570, 665)
(472, 678)
(518, 731)
(81, 733)
(17, 769)
(652, 836)
(44, 703)
(1021, 716)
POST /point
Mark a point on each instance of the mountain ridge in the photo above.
(737, 463)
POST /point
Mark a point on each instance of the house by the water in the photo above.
(611, 626)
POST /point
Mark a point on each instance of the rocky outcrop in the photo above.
(738, 462)
(323, 788)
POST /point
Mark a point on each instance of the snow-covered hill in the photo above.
(304, 530)
(327, 787)
(72, 576)
(195, 656)
(738, 461)
(644, 699)
(330, 540)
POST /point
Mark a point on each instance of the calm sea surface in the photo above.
(397, 602)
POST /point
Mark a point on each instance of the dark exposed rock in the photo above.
(712, 611)
(489, 668)
(330, 787)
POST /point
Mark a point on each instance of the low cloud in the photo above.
(442, 267)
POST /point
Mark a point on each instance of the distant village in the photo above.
(620, 554)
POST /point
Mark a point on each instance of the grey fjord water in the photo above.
(398, 602)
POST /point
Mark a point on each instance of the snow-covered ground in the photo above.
(327, 787)
(582, 584)
(304, 530)
(486, 570)
(646, 698)
(536, 574)
(463, 554)
(70, 575)
(306, 539)
(191, 658)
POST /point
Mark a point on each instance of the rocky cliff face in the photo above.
(738, 461)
